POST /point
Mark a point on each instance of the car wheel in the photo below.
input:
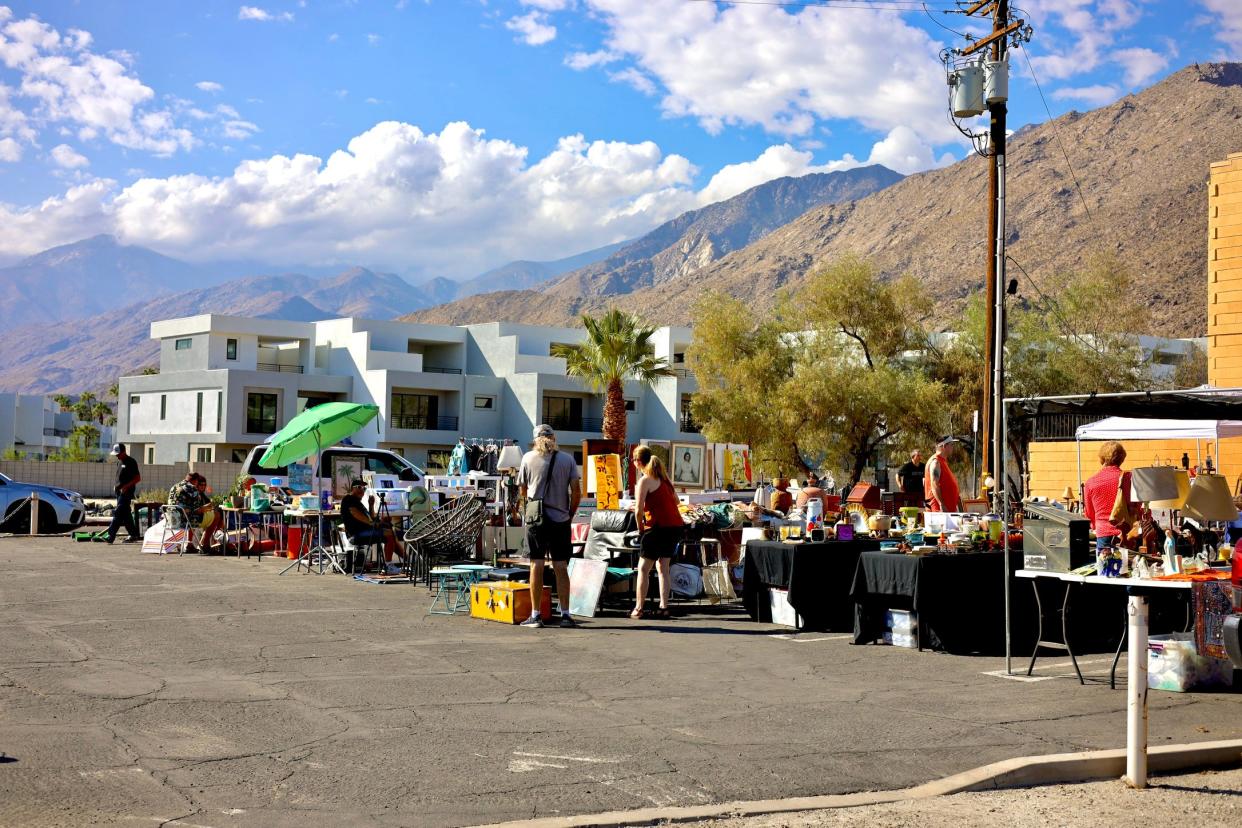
(17, 520)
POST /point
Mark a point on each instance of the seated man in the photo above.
(190, 497)
(363, 527)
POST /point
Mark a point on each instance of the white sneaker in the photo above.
(393, 569)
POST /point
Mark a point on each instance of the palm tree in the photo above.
(101, 411)
(618, 347)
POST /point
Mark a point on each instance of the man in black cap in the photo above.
(127, 478)
(363, 527)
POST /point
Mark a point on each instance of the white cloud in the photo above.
(238, 130)
(1140, 64)
(334, 37)
(373, 39)
(533, 28)
(548, 5)
(785, 69)
(1093, 26)
(209, 86)
(83, 211)
(1225, 18)
(67, 157)
(263, 15)
(588, 60)
(1095, 95)
(632, 77)
(10, 150)
(68, 85)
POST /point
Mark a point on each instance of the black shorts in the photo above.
(660, 542)
(549, 540)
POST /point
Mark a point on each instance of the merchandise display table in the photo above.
(242, 520)
(959, 598)
(817, 575)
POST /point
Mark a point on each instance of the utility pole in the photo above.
(997, 110)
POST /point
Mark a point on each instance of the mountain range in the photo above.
(1133, 186)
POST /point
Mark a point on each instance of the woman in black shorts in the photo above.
(659, 520)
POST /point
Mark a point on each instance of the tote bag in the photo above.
(1154, 483)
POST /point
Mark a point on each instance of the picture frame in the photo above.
(345, 468)
(688, 465)
(663, 450)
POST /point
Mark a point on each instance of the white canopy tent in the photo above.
(1139, 428)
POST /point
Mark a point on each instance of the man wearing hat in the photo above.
(939, 484)
(550, 475)
(363, 527)
(127, 478)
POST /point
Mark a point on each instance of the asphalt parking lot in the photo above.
(140, 689)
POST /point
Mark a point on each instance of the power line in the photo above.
(1053, 306)
(867, 5)
(1057, 135)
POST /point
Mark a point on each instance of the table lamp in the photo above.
(510, 457)
(1068, 497)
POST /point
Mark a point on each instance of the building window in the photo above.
(198, 412)
(150, 455)
(203, 454)
(134, 399)
(679, 359)
(306, 401)
(183, 344)
(485, 403)
(163, 406)
(631, 405)
(260, 413)
(230, 349)
(415, 411)
(563, 413)
(219, 409)
(238, 455)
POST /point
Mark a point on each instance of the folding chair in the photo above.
(175, 521)
(349, 551)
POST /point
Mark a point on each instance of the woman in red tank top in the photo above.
(659, 520)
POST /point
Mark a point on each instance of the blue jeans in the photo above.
(1107, 542)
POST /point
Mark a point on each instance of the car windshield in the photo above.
(5, 478)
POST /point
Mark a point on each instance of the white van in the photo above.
(380, 461)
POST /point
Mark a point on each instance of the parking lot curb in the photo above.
(1027, 771)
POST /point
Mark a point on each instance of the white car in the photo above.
(60, 510)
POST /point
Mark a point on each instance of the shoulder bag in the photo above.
(532, 514)
(1120, 516)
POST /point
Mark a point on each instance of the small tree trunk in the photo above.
(614, 413)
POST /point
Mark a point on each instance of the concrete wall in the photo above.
(97, 479)
(1225, 272)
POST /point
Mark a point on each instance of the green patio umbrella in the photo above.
(315, 429)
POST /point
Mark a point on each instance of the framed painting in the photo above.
(688, 465)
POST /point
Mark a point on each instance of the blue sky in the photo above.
(442, 137)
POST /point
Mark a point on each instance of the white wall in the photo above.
(180, 413)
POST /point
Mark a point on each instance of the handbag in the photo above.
(1154, 483)
(532, 514)
(1120, 516)
(717, 579)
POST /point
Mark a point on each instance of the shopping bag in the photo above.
(1182, 479)
(1210, 499)
(718, 582)
(687, 580)
(1120, 516)
(1153, 483)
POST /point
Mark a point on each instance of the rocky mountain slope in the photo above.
(1142, 163)
(675, 251)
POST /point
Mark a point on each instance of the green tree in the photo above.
(618, 347)
(1192, 371)
(81, 448)
(63, 401)
(11, 453)
(101, 412)
(831, 377)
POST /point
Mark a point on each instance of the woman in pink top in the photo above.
(1100, 492)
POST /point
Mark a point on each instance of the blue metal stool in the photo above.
(477, 572)
(454, 584)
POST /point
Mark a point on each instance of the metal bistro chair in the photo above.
(448, 534)
(175, 520)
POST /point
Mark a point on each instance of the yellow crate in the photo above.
(506, 601)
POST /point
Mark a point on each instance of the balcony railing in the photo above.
(424, 423)
(279, 368)
(683, 373)
(687, 423)
(431, 369)
(1060, 426)
(55, 432)
(586, 425)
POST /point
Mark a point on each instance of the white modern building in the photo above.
(35, 427)
(226, 383)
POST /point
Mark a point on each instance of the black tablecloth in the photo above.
(817, 575)
(959, 599)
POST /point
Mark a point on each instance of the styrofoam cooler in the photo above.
(901, 621)
(910, 641)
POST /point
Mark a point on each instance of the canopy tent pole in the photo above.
(1078, 443)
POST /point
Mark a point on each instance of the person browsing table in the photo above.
(659, 521)
(551, 476)
(1100, 493)
(363, 527)
(939, 484)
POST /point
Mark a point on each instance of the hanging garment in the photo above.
(457, 461)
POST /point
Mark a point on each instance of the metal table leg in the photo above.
(1063, 644)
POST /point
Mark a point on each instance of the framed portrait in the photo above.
(661, 449)
(687, 468)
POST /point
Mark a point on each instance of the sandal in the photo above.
(662, 614)
(638, 614)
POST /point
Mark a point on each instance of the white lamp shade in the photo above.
(510, 457)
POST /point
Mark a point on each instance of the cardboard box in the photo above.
(782, 613)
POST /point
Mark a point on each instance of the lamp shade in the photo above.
(1068, 494)
(510, 457)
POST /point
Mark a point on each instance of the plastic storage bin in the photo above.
(1173, 664)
